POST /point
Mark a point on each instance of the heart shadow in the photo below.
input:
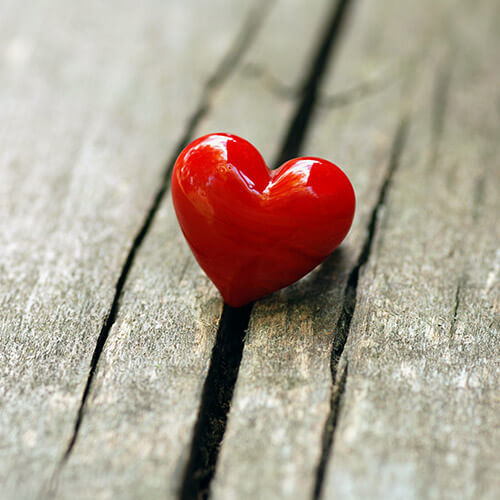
(326, 278)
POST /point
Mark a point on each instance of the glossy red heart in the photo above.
(254, 230)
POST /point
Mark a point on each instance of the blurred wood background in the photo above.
(122, 374)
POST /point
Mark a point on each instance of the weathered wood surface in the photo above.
(403, 316)
(421, 407)
(95, 97)
(398, 438)
(273, 442)
(138, 422)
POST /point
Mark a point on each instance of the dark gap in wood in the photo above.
(222, 72)
(349, 306)
(297, 130)
(223, 371)
(111, 318)
(336, 400)
(139, 238)
(215, 402)
(453, 325)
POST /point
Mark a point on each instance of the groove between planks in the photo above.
(349, 306)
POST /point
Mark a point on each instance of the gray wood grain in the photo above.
(273, 442)
(139, 418)
(421, 405)
(262, 94)
(138, 424)
(94, 98)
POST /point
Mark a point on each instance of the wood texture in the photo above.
(375, 376)
(259, 100)
(138, 423)
(91, 111)
(421, 407)
(274, 440)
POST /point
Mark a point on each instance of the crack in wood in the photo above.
(215, 402)
(246, 35)
(336, 400)
(213, 413)
(297, 130)
(349, 306)
(454, 317)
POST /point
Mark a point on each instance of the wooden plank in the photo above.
(420, 409)
(274, 442)
(253, 105)
(95, 97)
(138, 423)
(139, 418)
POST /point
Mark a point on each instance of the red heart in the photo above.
(254, 230)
